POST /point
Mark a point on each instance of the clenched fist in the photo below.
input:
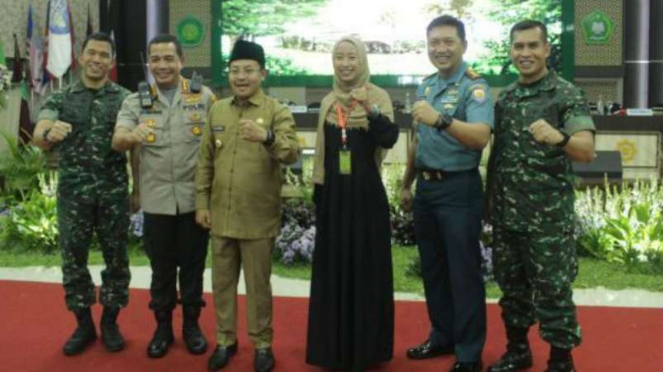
(423, 112)
(545, 133)
(140, 133)
(59, 131)
(250, 131)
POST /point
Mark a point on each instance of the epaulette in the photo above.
(472, 74)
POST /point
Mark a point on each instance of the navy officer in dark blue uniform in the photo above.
(453, 119)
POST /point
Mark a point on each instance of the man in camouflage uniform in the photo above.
(542, 123)
(77, 122)
(166, 131)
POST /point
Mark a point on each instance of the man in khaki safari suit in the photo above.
(238, 196)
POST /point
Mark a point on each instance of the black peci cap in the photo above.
(248, 50)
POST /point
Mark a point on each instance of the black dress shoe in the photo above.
(221, 356)
(466, 367)
(513, 361)
(560, 366)
(428, 350)
(264, 360)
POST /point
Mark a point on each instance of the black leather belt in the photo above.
(438, 175)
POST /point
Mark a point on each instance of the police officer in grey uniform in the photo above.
(168, 132)
(454, 116)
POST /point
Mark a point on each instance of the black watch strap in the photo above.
(564, 141)
(444, 121)
(271, 137)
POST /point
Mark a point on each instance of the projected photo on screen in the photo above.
(298, 35)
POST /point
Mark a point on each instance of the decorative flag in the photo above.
(113, 71)
(59, 38)
(35, 52)
(72, 65)
(46, 77)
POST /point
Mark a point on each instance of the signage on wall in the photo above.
(190, 31)
(597, 27)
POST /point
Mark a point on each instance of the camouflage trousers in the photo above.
(535, 272)
(108, 217)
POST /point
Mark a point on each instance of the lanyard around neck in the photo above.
(343, 117)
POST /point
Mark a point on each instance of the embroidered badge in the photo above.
(479, 95)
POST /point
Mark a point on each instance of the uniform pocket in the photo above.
(157, 133)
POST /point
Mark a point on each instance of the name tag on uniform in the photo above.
(194, 106)
(345, 162)
(219, 129)
(150, 111)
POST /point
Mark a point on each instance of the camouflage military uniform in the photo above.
(531, 208)
(92, 192)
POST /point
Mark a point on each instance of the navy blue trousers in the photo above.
(447, 220)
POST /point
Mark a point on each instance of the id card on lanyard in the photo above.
(344, 154)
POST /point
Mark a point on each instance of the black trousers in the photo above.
(172, 243)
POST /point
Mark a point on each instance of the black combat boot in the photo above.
(163, 336)
(193, 337)
(110, 332)
(560, 360)
(84, 335)
(518, 355)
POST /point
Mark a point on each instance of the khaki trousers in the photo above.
(255, 259)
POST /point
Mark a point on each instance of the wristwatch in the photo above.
(564, 140)
(271, 138)
(443, 121)
(44, 135)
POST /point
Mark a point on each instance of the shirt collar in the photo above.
(255, 99)
(546, 83)
(79, 86)
(455, 78)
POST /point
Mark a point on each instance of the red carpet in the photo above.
(35, 324)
